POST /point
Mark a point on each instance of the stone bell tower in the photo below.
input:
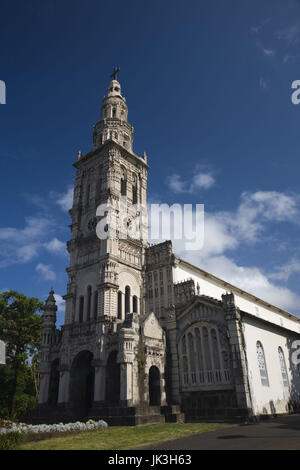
(99, 358)
(109, 181)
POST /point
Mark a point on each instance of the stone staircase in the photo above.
(137, 415)
(114, 415)
(173, 414)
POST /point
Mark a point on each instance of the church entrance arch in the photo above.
(112, 378)
(154, 386)
(82, 383)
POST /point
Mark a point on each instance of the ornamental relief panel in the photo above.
(202, 313)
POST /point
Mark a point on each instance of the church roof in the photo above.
(238, 290)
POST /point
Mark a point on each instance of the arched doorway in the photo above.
(127, 300)
(112, 378)
(82, 383)
(154, 386)
(54, 383)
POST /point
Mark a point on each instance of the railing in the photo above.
(207, 377)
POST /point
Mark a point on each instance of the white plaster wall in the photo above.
(207, 286)
(271, 340)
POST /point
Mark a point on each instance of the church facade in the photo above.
(147, 336)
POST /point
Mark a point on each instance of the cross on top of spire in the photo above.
(115, 72)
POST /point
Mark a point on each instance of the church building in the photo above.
(148, 337)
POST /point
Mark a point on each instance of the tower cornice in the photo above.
(108, 144)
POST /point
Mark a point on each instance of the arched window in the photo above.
(134, 190)
(215, 348)
(283, 368)
(120, 305)
(206, 348)
(262, 364)
(192, 358)
(184, 361)
(199, 349)
(201, 359)
(114, 112)
(127, 299)
(95, 304)
(88, 193)
(81, 306)
(99, 187)
(89, 303)
(134, 304)
(123, 182)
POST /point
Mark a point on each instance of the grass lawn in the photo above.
(121, 438)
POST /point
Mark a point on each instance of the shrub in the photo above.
(10, 440)
(7, 427)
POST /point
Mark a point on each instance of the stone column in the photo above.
(172, 361)
(239, 365)
(100, 377)
(70, 308)
(125, 358)
(64, 385)
(163, 400)
(44, 387)
(126, 383)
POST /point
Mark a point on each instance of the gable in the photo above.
(152, 328)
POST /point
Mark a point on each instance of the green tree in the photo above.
(20, 328)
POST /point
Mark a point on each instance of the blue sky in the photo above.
(208, 87)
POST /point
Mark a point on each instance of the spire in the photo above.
(113, 124)
(50, 302)
(49, 316)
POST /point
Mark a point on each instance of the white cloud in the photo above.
(290, 35)
(21, 245)
(268, 52)
(290, 58)
(284, 272)
(34, 228)
(253, 280)
(65, 200)
(201, 180)
(46, 271)
(56, 246)
(176, 184)
(228, 229)
(258, 27)
(59, 302)
(256, 209)
(27, 252)
(218, 237)
(224, 232)
(263, 83)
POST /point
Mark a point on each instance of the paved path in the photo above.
(275, 433)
